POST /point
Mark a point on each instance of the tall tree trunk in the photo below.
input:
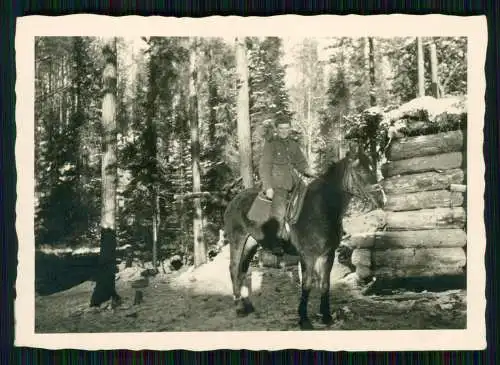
(153, 155)
(212, 101)
(60, 82)
(50, 76)
(156, 224)
(371, 59)
(434, 70)
(420, 67)
(309, 126)
(340, 146)
(369, 48)
(105, 283)
(200, 248)
(77, 116)
(244, 131)
(366, 56)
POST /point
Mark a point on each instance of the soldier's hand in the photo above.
(269, 193)
(308, 173)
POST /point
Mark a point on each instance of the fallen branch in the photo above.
(201, 194)
(77, 251)
(208, 194)
(406, 296)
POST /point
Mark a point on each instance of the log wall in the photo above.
(425, 181)
(443, 161)
(420, 232)
(428, 145)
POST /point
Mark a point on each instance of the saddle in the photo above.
(260, 210)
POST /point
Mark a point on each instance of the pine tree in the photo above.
(105, 283)
(244, 132)
(199, 248)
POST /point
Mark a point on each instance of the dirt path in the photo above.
(201, 300)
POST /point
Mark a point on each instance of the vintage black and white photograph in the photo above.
(240, 181)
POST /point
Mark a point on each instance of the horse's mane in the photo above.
(330, 184)
(339, 176)
(334, 173)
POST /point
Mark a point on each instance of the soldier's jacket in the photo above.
(279, 157)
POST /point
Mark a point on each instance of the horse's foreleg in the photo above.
(306, 281)
(240, 261)
(323, 267)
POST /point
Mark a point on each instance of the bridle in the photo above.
(356, 186)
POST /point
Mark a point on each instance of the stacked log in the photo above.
(421, 230)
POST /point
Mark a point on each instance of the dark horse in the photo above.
(314, 237)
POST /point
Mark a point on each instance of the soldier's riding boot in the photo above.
(278, 212)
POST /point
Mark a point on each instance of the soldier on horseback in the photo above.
(280, 161)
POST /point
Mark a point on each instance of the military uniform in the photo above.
(280, 157)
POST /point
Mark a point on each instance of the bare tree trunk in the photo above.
(200, 248)
(373, 99)
(420, 66)
(309, 127)
(212, 101)
(50, 77)
(153, 154)
(434, 70)
(156, 224)
(60, 81)
(340, 148)
(244, 131)
(366, 56)
(184, 245)
(105, 283)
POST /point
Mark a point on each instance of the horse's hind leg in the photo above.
(241, 255)
(323, 267)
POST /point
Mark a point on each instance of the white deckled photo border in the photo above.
(471, 338)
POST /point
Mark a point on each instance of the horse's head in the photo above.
(360, 177)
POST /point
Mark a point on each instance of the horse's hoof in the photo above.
(306, 325)
(249, 308)
(244, 309)
(327, 319)
(240, 312)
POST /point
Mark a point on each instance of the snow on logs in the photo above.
(420, 232)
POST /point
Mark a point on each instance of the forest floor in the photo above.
(201, 300)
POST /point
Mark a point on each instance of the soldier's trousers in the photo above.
(278, 207)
